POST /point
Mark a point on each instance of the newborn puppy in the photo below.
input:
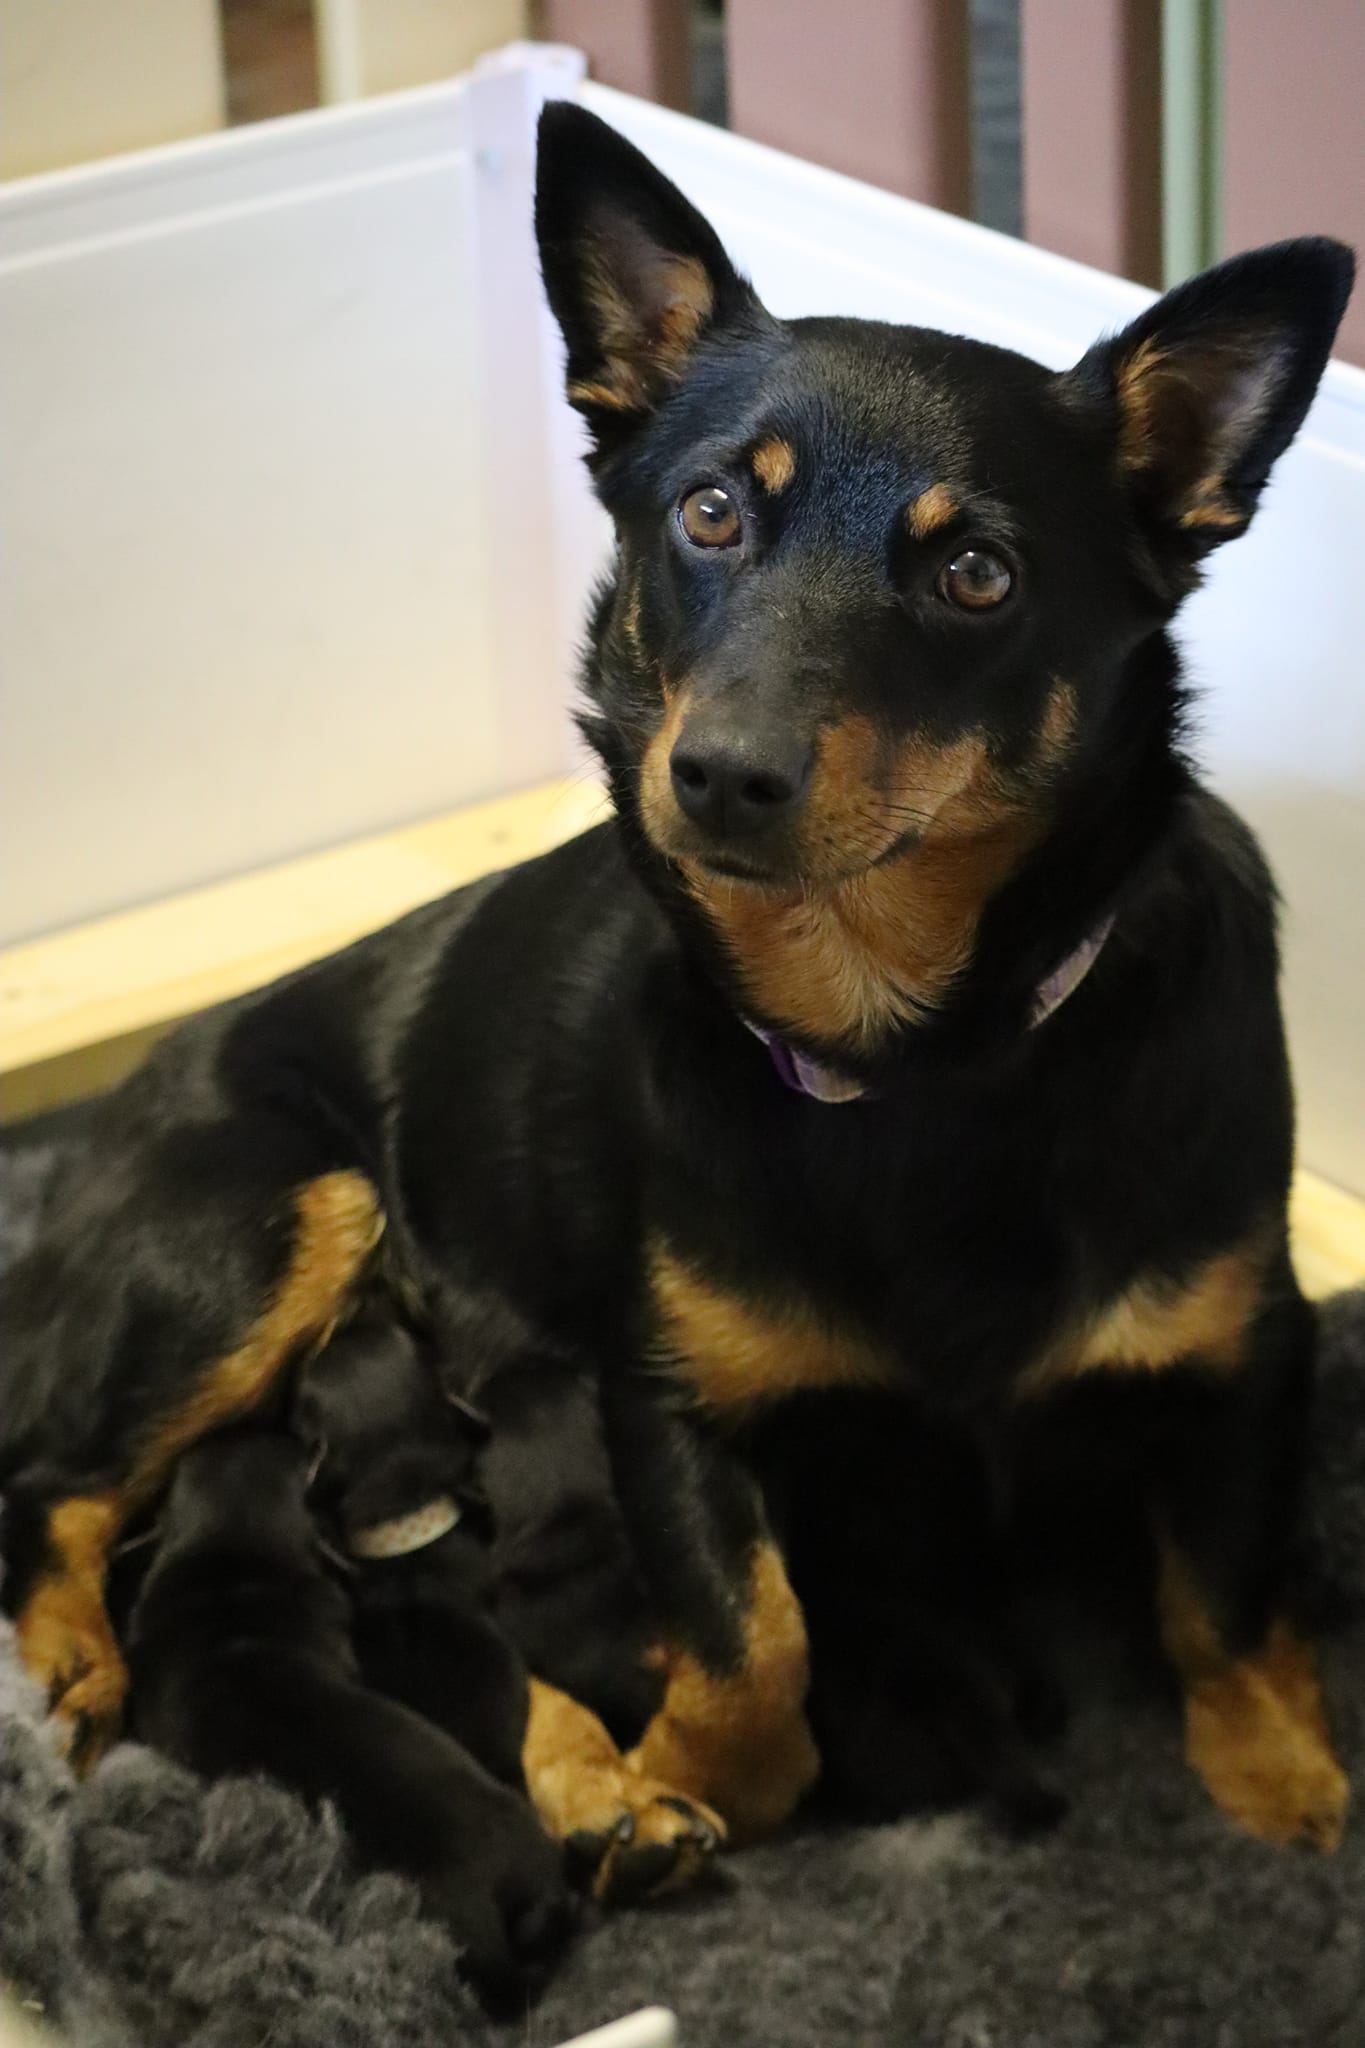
(396, 1486)
(240, 1656)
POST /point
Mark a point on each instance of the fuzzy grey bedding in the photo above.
(140, 1908)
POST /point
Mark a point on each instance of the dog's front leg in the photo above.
(731, 1731)
(1255, 1725)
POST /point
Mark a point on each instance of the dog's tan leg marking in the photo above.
(1200, 1320)
(584, 1792)
(741, 1743)
(63, 1628)
(1255, 1726)
(735, 1354)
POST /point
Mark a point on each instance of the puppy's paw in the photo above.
(636, 1839)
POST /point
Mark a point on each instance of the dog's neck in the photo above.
(825, 1083)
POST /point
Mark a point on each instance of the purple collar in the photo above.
(825, 1084)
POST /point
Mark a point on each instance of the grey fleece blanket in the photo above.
(139, 1907)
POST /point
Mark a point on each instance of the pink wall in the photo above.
(1091, 90)
(1295, 129)
(876, 88)
(639, 46)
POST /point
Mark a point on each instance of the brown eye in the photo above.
(975, 580)
(709, 517)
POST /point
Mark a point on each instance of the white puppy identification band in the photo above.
(407, 1532)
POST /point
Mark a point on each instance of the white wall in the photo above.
(242, 541)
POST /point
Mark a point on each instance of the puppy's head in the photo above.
(385, 1436)
(240, 1488)
(879, 587)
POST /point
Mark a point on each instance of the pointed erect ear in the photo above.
(1210, 385)
(634, 275)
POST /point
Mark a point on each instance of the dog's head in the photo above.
(879, 589)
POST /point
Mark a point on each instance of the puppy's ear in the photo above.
(1209, 386)
(634, 275)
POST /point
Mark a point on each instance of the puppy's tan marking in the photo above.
(1158, 1323)
(735, 1354)
(580, 1784)
(774, 464)
(742, 1744)
(931, 511)
(1255, 1726)
(63, 1628)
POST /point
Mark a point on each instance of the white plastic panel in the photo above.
(1275, 639)
(243, 547)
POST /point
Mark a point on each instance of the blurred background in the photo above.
(1146, 137)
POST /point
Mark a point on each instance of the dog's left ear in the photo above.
(634, 275)
(1210, 385)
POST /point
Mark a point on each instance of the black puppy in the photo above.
(397, 1485)
(240, 1657)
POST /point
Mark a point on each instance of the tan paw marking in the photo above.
(1257, 1736)
(632, 1836)
(73, 1655)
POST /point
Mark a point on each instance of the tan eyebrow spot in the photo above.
(774, 464)
(931, 510)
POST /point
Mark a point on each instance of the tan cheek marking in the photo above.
(843, 822)
(774, 464)
(734, 1355)
(63, 1629)
(741, 1743)
(1057, 728)
(658, 805)
(1255, 1726)
(630, 616)
(1155, 1324)
(931, 511)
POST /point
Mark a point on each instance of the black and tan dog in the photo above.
(912, 1033)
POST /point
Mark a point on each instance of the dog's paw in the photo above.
(636, 1839)
(69, 1649)
(1269, 1767)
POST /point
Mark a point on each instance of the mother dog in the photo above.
(910, 1036)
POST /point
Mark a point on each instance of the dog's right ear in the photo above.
(634, 275)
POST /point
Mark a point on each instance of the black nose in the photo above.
(738, 785)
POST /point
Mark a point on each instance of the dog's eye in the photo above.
(709, 517)
(975, 580)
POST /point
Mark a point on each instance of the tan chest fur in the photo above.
(736, 1352)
